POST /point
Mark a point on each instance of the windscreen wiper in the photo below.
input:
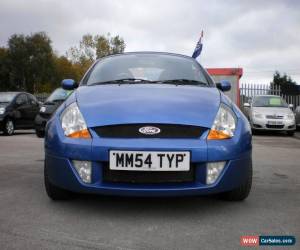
(125, 81)
(59, 100)
(184, 82)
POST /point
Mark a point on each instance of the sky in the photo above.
(258, 36)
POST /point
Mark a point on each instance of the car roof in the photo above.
(149, 52)
(10, 92)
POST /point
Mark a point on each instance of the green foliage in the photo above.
(280, 80)
(93, 47)
(4, 70)
(28, 62)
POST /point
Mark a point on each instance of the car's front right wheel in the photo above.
(9, 127)
(242, 192)
(54, 192)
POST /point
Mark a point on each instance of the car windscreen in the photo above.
(7, 97)
(148, 67)
(59, 95)
(269, 101)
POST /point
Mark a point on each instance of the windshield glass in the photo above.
(7, 97)
(59, 95)
(148, 67)
(269, 101)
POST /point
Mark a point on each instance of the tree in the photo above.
(4, 69)
(41, 60)
(30, 60)
(283, 84)
(279, 80)
(93, 47)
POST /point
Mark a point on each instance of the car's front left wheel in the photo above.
(54, 192)
(40, 133)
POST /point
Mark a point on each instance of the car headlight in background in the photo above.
(224, 125)
(257, 115)
(2, 111)
(42, 109)
(290, 117)
(73, 123)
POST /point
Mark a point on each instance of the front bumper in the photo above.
(2, 124)
(40, 123)
(63, 174)
(60, 151)
(272, 124)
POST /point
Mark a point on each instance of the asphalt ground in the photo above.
(30, 220)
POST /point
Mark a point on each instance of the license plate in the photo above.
(275, 122)
(149, 161)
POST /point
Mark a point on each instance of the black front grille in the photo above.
(275, 126)
(274, 116)
(166, 131)
(45, 115)
(147, 177)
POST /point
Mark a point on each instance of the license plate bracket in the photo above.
(275, 123)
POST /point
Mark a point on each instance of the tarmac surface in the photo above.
(30, 220)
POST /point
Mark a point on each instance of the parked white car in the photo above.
(270, 112)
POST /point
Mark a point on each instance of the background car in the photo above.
(271, 112)
(17, 111)
(148, 124)
(57, 97)
(297, 117)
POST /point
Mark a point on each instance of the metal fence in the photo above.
(247, 91)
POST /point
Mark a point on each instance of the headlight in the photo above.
(73, 123)
(290, 117)
(2, 111)
(257, 115)
(224, 124)
(42, 109)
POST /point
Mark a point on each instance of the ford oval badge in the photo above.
(148, 130)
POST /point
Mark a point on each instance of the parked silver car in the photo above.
(270, 112)
(297, 113)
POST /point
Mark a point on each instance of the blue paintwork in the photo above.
(69, 84)
(135, 103)
(146, 103)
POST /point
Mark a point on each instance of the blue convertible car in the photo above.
(148, 124)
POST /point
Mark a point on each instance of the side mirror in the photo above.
(69, 84)
(291, 106)
(224, 85)
(246, 105)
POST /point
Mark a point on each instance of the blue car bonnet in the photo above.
(147, 103)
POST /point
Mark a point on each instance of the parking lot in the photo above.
(30, 220)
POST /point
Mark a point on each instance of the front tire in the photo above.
(240, 193)
(9, 127)
(254, 131)
(55, 193)
(40, 133)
